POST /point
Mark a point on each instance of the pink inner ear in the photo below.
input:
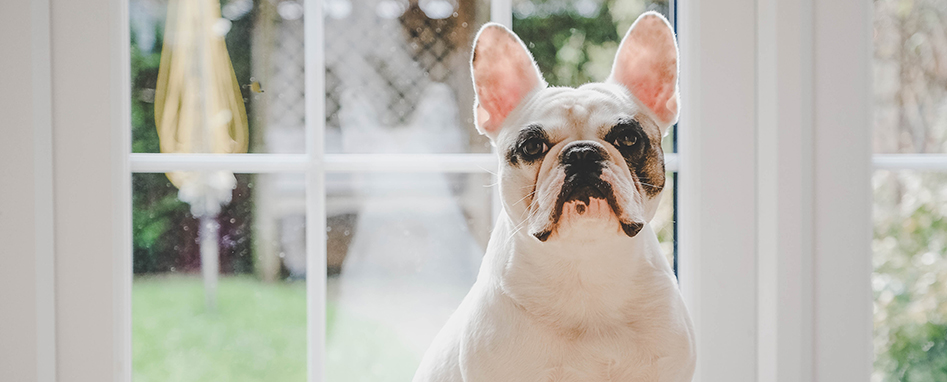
(503, 86)
(646, 64)
(504, 73)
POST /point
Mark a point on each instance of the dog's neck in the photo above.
(575, 284)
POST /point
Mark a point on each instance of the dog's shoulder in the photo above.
(469, 330)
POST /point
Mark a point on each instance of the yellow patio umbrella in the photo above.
(199, 109)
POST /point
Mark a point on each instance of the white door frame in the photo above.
(775, 163)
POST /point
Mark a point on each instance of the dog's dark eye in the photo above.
(533, 147)
(625, 139)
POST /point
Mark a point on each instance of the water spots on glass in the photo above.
(256, 243)
(254, 86)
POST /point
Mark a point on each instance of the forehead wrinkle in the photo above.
(583, 109)
(556, 109)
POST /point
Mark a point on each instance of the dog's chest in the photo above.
(604, 362)
(540, 356)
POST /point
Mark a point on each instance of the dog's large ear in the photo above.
(503, 74)
(646, 64)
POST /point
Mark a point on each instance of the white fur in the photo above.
(590, 303)
(605, 308)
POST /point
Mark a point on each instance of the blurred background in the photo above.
(910, 207)
(403, 248)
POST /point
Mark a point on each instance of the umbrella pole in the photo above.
(209, 232)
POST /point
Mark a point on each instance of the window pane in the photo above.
(398, 76)
(403, 250)
(910, 71)
(261, 103)
(910, 276)
(910, 116)
(245, 322)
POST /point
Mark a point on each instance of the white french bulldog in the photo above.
(573, 286)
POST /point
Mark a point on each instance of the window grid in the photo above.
(315, 164)
(331, 163)
(118, 112)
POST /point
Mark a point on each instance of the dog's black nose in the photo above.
(582, 153)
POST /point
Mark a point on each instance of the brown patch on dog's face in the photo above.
(640, 147)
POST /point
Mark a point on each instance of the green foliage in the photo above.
(156, 210)
(563, 43)
(144, 73)
(156, 217)
(919, 353)
(572, 49)
(910, 277)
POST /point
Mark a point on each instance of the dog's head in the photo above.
(585, 160)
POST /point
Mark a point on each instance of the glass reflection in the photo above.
(399, 69)
(403, 251)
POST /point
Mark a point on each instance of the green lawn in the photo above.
(258, 332)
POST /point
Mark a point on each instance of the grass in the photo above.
(258, 332)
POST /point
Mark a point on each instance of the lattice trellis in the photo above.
(388, 62)
(392, 60)
(287, 102)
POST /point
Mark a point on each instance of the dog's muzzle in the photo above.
(582, 163)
